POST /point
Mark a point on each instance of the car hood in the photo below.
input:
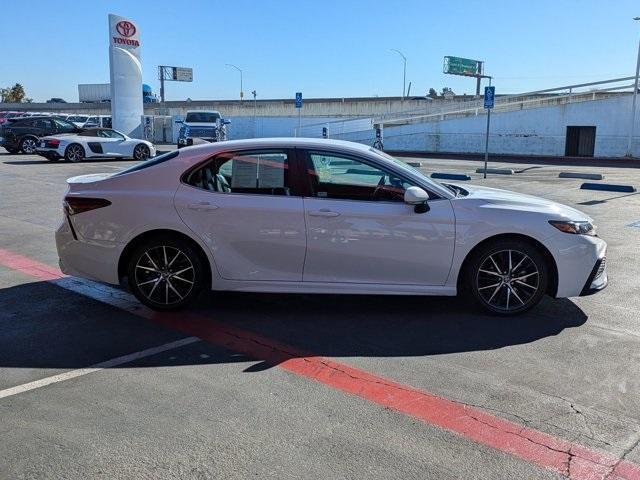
(520, 201)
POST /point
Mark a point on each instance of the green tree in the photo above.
(432, 93)
(447, 92)
(15, 94)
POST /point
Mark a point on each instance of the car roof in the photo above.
(282, 142)
(33, 117)
(203, 111)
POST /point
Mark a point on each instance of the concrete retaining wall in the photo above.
(539, 131)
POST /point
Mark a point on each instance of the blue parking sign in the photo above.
(489, 97)
(299, 100)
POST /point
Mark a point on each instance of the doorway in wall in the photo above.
(581, 142)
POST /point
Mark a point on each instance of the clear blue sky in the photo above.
(328, 48)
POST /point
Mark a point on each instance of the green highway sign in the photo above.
(462, 66)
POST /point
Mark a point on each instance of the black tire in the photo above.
(12, 151)
(28, 145)
(166, 273)
(141, 152)
(74, 153)
(501, 289)
(52, 158)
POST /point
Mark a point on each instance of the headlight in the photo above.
(577, 228)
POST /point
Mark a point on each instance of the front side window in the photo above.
(110, 134)
(347, 178)
(264, 172)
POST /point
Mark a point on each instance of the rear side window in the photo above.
(262, 172)
(150, 163)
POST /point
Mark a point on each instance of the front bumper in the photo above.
(576, 257)
(598, 279)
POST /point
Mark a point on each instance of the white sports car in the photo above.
(319, 216)
(94, 143)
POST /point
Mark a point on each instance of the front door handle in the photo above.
(323, 212)
(202, 206)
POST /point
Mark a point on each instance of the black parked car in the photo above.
(22, 133)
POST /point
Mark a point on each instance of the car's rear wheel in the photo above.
(141, 152)
(74, 153)
(507, 277)
(28, 145)
(165, 273)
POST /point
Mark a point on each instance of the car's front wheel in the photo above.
(507, 277)
(141, 152)
(165, 273)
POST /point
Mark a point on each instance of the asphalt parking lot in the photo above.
(300, 386)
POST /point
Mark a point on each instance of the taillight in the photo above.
(53, 142)
(75, 205)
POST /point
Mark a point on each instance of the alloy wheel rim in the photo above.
(508, 280)
(29, 145)
(164, 275)
(140, 153)
(75, 153)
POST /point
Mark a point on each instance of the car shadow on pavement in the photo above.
(52, 162)
(45, 326)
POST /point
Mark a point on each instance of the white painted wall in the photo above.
(537, 131)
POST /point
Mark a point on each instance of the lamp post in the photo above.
(633, 103)
(255, 113)
(404, 70)
(240, 70)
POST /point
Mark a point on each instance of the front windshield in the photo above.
(202, 117)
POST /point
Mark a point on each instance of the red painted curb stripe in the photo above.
(542, 449)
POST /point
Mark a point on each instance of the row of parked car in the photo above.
(82, 121)
(56, 137)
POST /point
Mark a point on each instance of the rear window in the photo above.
(150, 163)
(203, 117)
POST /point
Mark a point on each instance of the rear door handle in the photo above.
(323, 212)
(202, 206)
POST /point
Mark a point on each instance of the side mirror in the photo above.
(226, 121)
(417, 197)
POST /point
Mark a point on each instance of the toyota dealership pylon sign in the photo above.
(126, 75)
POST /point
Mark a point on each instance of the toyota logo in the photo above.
(126, 29)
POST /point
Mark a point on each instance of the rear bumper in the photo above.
(95, 260)
(48, 153)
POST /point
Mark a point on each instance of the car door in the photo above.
(115, 144)
(359, 230)
(244, 207)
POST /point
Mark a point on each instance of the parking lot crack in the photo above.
(623, 457)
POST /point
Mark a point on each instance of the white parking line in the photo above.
(114, 362)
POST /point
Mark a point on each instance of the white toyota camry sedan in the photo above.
(319, 216)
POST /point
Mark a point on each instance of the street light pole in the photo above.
(240, 70)
(404, 70)
(633, 103)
